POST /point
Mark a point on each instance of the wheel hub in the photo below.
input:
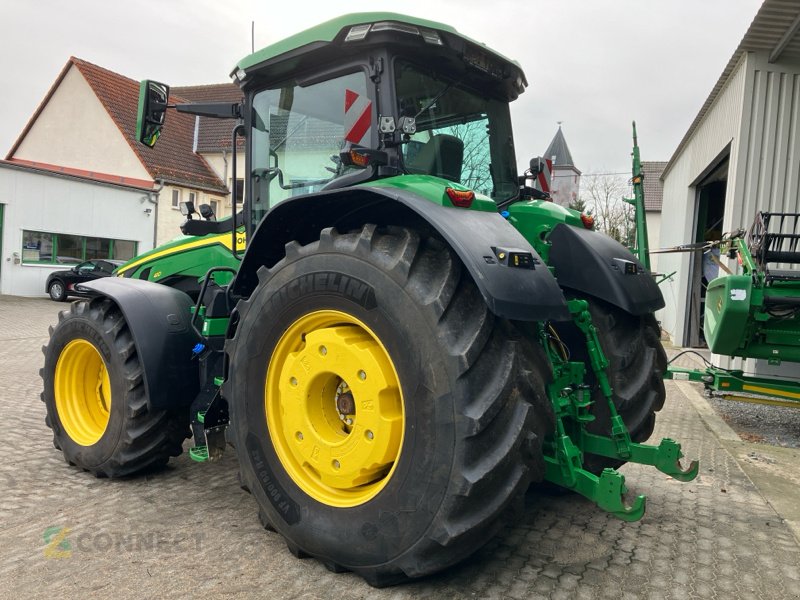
(334, 408)
(82, 391)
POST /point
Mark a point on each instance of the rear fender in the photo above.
(478, 237)
(596, 264)
(159, 321)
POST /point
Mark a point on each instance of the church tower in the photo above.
(566, 179)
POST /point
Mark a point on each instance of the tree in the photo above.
(578, 204)
(475, 173)
(603, 196)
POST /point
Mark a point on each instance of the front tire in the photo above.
(457, 402)
(95, 396)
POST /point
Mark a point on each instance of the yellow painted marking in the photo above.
(770, 391)
(224, 239)
(769, 401)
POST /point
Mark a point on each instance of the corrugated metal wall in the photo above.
(770, 145)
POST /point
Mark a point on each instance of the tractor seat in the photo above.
(441, 156)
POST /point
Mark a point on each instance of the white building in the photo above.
(51, 220)
(740, 155)
(76, 185)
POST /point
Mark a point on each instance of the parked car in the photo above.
(61, 284)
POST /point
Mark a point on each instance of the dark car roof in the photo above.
(111, 261)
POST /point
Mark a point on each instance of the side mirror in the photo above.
(153, 100)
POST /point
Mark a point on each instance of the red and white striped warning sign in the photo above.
(545, 176)
(357, 117)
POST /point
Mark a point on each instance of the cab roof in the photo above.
(328, 32)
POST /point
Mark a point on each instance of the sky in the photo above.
(594, 65)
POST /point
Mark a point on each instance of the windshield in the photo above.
(297, 133)
(462, 135)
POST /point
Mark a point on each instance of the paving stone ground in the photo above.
(189, 531)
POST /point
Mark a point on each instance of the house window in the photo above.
(214, 205)
(40, 247)
(176, 198)
(193, 198)
(239, 191)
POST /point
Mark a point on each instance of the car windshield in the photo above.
(462, 135)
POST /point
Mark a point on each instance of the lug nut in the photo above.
(293, 381)
(323, 350)
(362, 375)
(336, 464)
(299, 436)
(369, 435)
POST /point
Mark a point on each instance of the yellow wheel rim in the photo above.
(82, 392)
(334, 408)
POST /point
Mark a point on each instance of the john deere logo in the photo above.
(56, 543)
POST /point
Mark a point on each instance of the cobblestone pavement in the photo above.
(189, 531)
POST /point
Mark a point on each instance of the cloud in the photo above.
(594, 65)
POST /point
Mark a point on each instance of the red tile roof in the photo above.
(172, 160)
(214, 135)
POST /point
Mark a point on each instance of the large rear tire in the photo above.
(380, 338)
(637, 361)
(95, 396)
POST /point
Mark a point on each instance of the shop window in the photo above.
(42, 247)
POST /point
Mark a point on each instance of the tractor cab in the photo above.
(365, 97)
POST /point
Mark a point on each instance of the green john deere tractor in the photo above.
(412, 335)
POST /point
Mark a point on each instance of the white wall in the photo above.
(217, 162)
(654, 236)
(720, 127)
(46, 202)
(565, 185)
(75, 130)
(170, 218)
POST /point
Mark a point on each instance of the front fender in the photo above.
(159, 321)
(478, 237)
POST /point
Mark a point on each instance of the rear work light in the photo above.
(587, 220)
(459, 198)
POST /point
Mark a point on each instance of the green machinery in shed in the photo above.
(752, 313)
(755, 313)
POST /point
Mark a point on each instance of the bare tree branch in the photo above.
(603, 197)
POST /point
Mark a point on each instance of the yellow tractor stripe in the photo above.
(224, 239)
